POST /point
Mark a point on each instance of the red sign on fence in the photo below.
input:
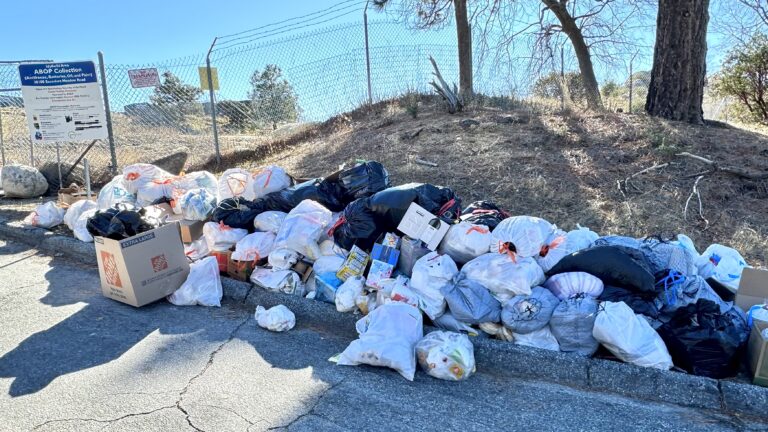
(144, 78)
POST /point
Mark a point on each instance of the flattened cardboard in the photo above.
(757, 352)
(420, 224)
(144, 268)
(222, 258)
(753, 288)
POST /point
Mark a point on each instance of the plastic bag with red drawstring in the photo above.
(236, 182)
(191, 181)
(561, 244)
(504, 275)
(139, 175)
(115, 192)
(356, 227)
(269, 179)
(484, 213)
(46, 215)
(154, 191)
(522, 235)
(302, 228)
(254, 247)
(221, 237)
(465, 241)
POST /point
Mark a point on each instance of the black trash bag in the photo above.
(238, 212)
(484, 213)
(389, 206)
(121, 222)
(471, 302)
(356, 226)
(363, 180)
(614, 265)
(640, 303)
(98, 224)
(328, 193)
(703, 341)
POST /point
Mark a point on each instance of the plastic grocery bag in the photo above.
(470, 302)
(630, 337)
(269, 221)
(221, 237)
(138, 175)
(236, 182)
(192, 181)
(254, 247)
(430, 274)
(528, 313)
(154, 191)
(465, 241)
(115, 192)
(282, 259)
(722, 263)
(202, 287)
(572, 323)
(522, 235)
(197, 204)
(46, 215)
(504, 277)
(388, 338)
(302, 227)
(76, 209)
(284, 281)
(446, 355)
(80, 228)
(197, 250)
(277, 319)
(269, 179)
(566, 285)
(541, 338)
(347, 293)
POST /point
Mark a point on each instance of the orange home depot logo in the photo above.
(159, 263)
(111, 273)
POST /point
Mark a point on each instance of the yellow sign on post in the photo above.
(203, 71)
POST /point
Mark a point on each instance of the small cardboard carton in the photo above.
(240, 270)
(72, 194)
(753, 288)
(423, 225)
(354, 265)
(383, 262)
(143, 268)
(223, 258)
(191, 230)
(757, 352)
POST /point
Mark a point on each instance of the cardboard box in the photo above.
(757, 352)
(753, 288)
(190, 230)
(143, 268)
(223, 258)
(384, 260)
(423, 225)
(304, 270)
(240, 270)
(354, 265)
(72, 194)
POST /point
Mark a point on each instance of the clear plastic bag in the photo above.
(197, 204)
(197, 250)
(46, 215)
(76, 209)
(276, 319)
(202, 287)
(221, 237)
(348, 292)
(504, 277)
(430, 273)
(446, 355)
(192, 181)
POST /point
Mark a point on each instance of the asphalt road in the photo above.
(71, 359)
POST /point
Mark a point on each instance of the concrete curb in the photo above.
(501, 358)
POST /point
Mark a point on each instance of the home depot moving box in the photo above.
(143, 268)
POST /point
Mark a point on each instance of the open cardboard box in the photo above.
(757, 352)
(753, 288)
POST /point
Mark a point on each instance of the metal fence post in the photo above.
(2, 146)
(631, 80)
(110, 135)
(213, 101)
(367, 53)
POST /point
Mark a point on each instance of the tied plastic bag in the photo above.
(430, 274)
(566, 285)
(139, 175)
(269, 221)
(722, 263)
(446, 355)
(284, 281)
(348, 292)
(363, 180)
(202, 287)
(541, 338)
(528, 313)
(80, 229)
(630, 337)
(561, 244)
(46, 215)
(572, 323)
(282, 259)
(254, 247)
(269, 179)
(76, 209)
(221, 237)
(154, 191)
(277, 319)
(504, 277)
(115, 192)
(302, 227)
(388, 338)
(465, 241)
(615, 265)
(197, 204)
(484, 213)
(522, 235)
(470, 302)
(196, 180)
(236, 182)
(197, 250)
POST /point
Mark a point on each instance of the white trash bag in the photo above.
(388, 338)
(504, 277)
(197, 250)
(541, 338)
(446, 355)
(192, 181)
(221, 237)
(46, 215)
(430, 273)
(567, 285)
(561, 244)
(202, 287)
(197, 204)
(277, 319)
(269, 221)
(236, 182)
(139, 175)
(115, 192)
(330, 248)
(284, 281)
(526, 234)
(328, 264)
(153, 191)
(76, 209)
(302, 228)
(629, 336)
(347, 293)
(282, 259)
(254, 247)
(722, 263)
(465, 241)
(269, 179)
(80, 229)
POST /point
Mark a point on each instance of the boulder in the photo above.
(21, 181)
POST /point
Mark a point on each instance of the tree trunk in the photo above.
(464, 37)
(580, 48)
(679, 68)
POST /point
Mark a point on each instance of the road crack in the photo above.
(311, 411)
(80, 419)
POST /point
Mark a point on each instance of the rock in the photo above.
(175, 162)
(21, 181)
(468, 123)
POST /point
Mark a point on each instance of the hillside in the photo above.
(566, 168)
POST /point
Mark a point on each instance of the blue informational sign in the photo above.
(53, 74)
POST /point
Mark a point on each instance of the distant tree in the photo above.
(610, 89)
(239, 114)
(550, 86)
(176, 99)
(745, 76)
(272, 97)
